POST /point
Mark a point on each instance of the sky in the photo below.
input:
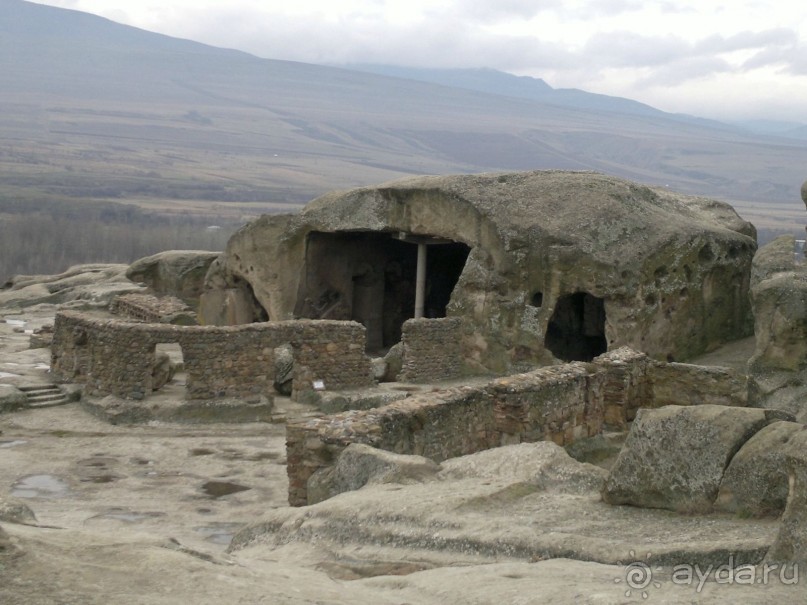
(723, 59)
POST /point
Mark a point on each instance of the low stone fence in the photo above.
(117, 357)
(431, 349)
(562, 403)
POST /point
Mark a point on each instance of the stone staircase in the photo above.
(44, 395)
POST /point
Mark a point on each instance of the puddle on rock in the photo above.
(97, 470)
(124, 515)
(219, 533)
(201, 451)
(130, 517)
(39, 486)
(219, 489)
(4, 444)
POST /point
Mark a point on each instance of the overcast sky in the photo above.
(722, 59)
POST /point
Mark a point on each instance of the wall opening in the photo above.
(576, 330)
(168, 370)
(369, 277)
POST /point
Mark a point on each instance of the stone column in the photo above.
(420, 281)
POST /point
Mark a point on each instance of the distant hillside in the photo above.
(501, 83)
(90, 109)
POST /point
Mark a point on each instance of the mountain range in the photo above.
(92, 109)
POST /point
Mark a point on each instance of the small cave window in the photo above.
(576, 330)
(537, 299)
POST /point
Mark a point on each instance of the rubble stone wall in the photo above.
(431, 349)
(563, 403)
(148, 308)
(116, 357)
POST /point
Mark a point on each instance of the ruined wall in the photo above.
(626, 387)
(148, 308)
(432, 349)
(114, 357)
(562, 403)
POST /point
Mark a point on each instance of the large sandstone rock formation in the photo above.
(179, 273)
(778, 368)
(539, 265)
(93, 285)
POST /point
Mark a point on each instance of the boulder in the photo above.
(359, 465)
(674, 457)
(14, 511)
(284, 369)
(394, 361)
(755, 483)
(162, 371)
(11, 398)
(544, 464)
(179, 273)
(379, 368)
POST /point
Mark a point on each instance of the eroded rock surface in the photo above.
(359, 465)
(80, 286)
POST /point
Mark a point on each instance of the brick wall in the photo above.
(431, 349)
(116, 357)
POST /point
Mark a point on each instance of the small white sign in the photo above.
(319, 385)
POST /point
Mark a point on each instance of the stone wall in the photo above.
(152, 309)
(431, 349)
(116, 357)
(561, 403)
(626, 387)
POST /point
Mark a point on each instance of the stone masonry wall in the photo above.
(626, 387)
(431, 349)
(148, 308)
(561, 403)
(115, 357)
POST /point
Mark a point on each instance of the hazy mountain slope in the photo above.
(94, 109)
(496, 82)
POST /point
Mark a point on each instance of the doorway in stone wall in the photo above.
(576, 330)
(168, 372)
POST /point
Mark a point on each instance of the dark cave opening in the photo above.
(370, 277)
(576, 330)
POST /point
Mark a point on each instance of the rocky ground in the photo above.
(176, 513)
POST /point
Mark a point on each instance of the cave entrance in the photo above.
(372, 278)
(576, 330)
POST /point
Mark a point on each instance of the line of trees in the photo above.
(50, 238)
